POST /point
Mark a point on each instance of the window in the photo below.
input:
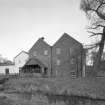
(34, 53)
(72, 61)
(46, 52)
(58, 51)
(71, 51)
(58, 62)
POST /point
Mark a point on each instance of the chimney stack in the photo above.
(42, 38)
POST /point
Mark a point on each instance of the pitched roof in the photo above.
(65, 35)
(20, 53)
(33, 61)
(38, 41)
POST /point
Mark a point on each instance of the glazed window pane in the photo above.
(58, 51)
(34, 53)
(58, 62)
(46, 52)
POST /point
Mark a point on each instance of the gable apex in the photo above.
(38, 42)
(20, 53)
(67, 36)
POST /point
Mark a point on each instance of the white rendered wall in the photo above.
(12, 69)
(21, 59)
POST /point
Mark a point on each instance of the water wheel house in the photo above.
(33, 65)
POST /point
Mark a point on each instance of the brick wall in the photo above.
(42, 51)
(69, 59)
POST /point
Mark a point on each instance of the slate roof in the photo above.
(38, 41)
(33, 61)
(65, 35)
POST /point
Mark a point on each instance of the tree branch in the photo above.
(94, 34)
(100, 14)
(101, 3)
(95, 27)
(96, 10)
(93, 46)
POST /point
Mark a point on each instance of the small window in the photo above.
(71, 51)
(58, 62)
(72, 61)
(58, 51)
(34, 53)
(46, 52)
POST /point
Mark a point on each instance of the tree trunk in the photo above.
(97, 62)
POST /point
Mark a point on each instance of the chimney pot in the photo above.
(42, 38)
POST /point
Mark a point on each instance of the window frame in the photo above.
(58, 62)
(45, 52)
(35, 53)
(58, 51)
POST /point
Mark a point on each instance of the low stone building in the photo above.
(8, 68)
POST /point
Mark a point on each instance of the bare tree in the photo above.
(95, 11)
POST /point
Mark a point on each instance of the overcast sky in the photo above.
(22, 22)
